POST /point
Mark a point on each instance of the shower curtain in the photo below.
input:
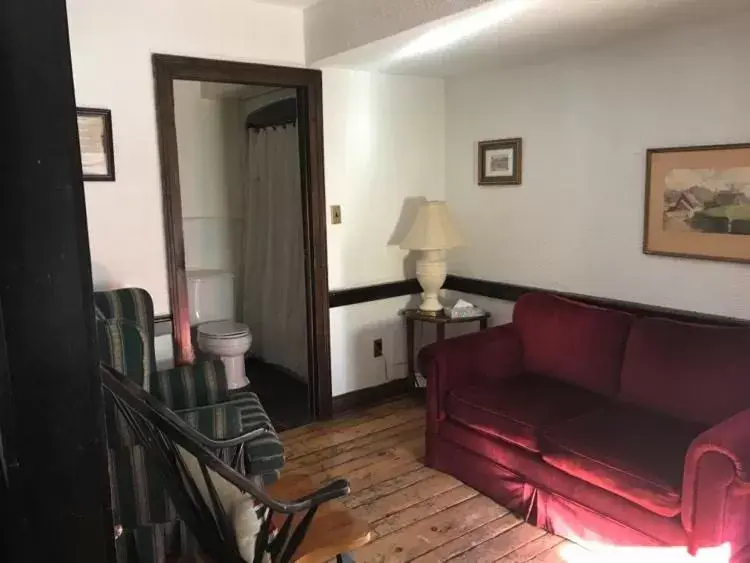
(272, 278)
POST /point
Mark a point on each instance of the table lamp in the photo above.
(433, 232)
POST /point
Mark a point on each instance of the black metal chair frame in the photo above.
(160, 431)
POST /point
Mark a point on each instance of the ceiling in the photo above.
(504, 33)
(290, 3)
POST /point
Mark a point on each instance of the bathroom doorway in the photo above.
(244, 211)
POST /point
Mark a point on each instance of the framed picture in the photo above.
(698, 202)
(95, 137)
(500, 162)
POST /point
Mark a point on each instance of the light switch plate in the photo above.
(335, 214)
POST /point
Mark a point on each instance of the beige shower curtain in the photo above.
(272, 270)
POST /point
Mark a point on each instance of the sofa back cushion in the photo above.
(693, 372)
(571, 341)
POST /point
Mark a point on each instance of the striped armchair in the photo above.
(199, 394)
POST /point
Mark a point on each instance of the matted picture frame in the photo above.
(97, 147)
(697, 202)
(500, 162)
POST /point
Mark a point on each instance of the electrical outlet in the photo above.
(335, 215)
(377, 347)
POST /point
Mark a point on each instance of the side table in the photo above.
(414, 316)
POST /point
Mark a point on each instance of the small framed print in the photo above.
(97, 150)
(500, 162)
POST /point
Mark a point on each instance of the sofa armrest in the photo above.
(716, 485)
(186, 387)
(491, 354)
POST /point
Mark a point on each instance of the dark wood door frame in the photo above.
(308, 85)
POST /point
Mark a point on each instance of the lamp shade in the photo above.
(433, 229)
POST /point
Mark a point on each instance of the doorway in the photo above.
(298, 92)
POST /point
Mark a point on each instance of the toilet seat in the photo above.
(220, 330)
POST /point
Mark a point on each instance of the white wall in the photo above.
(384, 140)
(210, 148)
(586, 121)
(111, 44)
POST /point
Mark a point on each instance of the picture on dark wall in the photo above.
(698, 202)
(499, 162)
(95, 139)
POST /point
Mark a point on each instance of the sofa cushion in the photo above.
(636, 454)
(577, 343)
(689, 371)
(514, 409)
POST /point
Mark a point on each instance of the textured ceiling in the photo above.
(291, 3)
(533, 30)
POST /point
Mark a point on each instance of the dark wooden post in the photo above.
(54, 453)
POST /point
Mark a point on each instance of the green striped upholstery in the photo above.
(185, 387)
(264, 456)
(124, 346)
(198, 393)
(218, 422)
(131, 304)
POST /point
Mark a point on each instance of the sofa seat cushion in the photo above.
(514, 409)
(636, 454)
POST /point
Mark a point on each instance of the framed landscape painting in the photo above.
(500, 162)
(698, 202)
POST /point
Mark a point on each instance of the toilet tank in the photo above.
(210, 295)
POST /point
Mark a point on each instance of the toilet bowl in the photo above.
(229, 341)
(211, 304)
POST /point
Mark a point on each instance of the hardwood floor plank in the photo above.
(501, 545)
(327, 458)
(396, 483)
(324, 439)
(531, 549)
(407, 497)
(434, 531)
(459, 546)
(565, 552)
(424, 509)
(366, 471)
(349, 419)
(415, 513)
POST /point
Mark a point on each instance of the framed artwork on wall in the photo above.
(499, 162)
(97, 150)
(698, 202)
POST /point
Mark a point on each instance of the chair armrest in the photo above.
(716, 484)
(196, 385)
(491, 354)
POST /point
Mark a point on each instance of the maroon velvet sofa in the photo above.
(599, 426)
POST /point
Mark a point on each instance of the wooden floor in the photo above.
(416, 513)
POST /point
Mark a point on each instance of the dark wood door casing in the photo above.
(308, 85)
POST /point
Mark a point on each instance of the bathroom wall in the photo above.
(210, 151)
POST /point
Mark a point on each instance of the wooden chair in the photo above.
(299, 522)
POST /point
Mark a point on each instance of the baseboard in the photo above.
(370, 395)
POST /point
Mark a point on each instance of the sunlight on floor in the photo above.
(571, 553)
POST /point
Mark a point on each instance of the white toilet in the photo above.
(211, 303)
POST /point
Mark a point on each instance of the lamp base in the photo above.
(431, 274)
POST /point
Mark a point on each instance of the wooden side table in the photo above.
(413, 316)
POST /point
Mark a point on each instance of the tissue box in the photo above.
(463, 312)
